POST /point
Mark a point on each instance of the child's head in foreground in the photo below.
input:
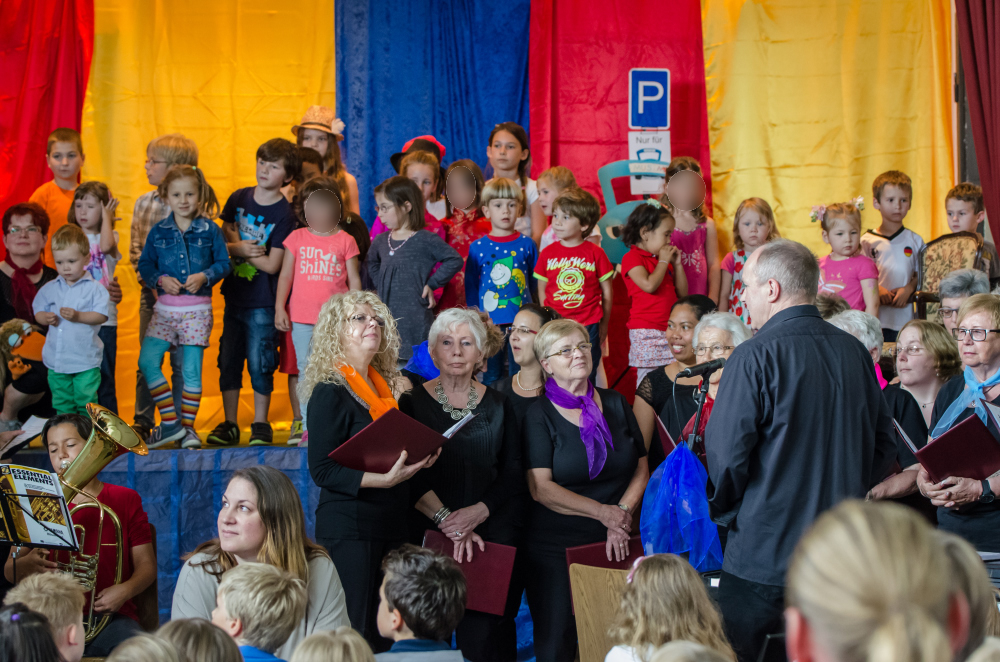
(422, 595)
(59, 598)
(259, 605)
(342, 645)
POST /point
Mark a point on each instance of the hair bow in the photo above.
(858, 202)
(818, 213)
(653, 202)
(635, 566)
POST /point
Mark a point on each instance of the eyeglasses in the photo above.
(520, 330)
(912, 350)
(713, 349)
(31, 229)
(384, 209)
(947, 313)
(363, 320)
(584, 347)
(977, 335)
(154, 162)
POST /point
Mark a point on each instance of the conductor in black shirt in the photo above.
(800, 424)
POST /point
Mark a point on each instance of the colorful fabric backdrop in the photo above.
(800, 103)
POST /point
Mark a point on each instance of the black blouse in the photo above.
(521, 404)
(658, 391)
(906, 412)
(482, 462)
(7, 312)
(552, 442)
(346, 511)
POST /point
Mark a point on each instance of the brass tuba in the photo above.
(110, 437)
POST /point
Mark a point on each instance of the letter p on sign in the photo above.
(649, 98)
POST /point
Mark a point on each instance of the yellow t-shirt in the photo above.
(56, 202)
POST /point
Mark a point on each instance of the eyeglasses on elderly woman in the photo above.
(977, 335)
(566, 352)
(946, 313)
(363, 320)
(714, 350)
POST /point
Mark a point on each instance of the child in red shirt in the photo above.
(651, 285)
(575, 275)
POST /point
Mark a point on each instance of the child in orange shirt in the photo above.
(64, 155)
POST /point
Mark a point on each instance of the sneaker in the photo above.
(261, 434)
(165, 435)
(225, 433)
(142, 431)
(191, 439)
(296, 433)
(305, 440)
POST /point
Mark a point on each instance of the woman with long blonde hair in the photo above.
(665, 600)
(872, 582)
(361, 515)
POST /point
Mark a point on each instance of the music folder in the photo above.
(666, 440)
(596, 555)
(967, 450)
(487, 575)
(377, 447)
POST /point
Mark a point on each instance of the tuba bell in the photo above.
(109, 438)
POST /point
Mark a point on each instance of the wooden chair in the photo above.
(147, 603)
(597, 595)
(937, 259)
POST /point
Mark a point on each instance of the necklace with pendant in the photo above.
(393, 249)
(456, 414)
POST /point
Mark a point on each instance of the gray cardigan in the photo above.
(400, 279)
(194, 597)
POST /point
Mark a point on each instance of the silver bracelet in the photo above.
(441, 515)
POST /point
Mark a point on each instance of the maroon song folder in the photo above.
(666, 440)
(377, 447)
(487, 575)
(596, 555)
(967, 450)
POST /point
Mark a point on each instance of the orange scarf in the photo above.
(377, 404)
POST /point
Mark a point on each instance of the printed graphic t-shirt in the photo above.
(320, 271)
(896, 259)
(269, 225)
(573, 278)
(843, 277)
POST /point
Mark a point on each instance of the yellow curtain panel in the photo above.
(230, 74)
(808, 101)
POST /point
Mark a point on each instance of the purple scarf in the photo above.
(594, 431)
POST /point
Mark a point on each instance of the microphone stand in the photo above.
(694, 438)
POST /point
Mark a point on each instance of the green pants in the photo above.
(71, 393)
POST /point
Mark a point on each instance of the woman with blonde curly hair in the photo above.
(361, 515)
(665, 600)
(476, 490)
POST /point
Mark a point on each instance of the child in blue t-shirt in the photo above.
(500, 266)
(255, 222)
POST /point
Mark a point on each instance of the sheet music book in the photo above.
(377, 447)
(31, 429)
(487, 574)
(666, 440)
(968, 449)
(33, 509)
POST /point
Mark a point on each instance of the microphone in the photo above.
(705, 368)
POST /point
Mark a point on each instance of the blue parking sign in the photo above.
(649, 99)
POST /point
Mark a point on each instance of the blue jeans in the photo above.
(151, 362)
(106, 396)
(494, 365)
(248, 334)
(301, 339)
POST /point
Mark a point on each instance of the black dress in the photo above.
(979, 523)
(659, 392)
(358, 526)
(521, 404)
(481, 463)
(552, 442)
(906, 412)
(34, 381)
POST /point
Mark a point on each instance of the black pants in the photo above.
(359, 564)
(118, 629)
(490, 638)
(750, 611)
(550, 602)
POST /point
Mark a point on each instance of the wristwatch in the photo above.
(623, 507)
(988, 495)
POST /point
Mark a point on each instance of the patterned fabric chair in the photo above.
(937, 259)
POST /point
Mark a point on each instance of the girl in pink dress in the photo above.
(845, 271)
(695, 237)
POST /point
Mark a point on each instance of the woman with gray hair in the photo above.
(476, 490)
(955, 288)
(715, 337)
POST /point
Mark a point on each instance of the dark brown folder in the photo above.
(596, 555)
(967, 450)
(666, 440)
(377, 447)
(487, 575)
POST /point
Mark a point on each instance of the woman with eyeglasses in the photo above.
(361, 515)
(926, 359)
(587, 471)
(955, 288)
(523, 388)
(968, 507)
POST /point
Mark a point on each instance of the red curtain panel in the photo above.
(45, 52)
(978, 35)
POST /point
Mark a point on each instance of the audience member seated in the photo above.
(988, 652)
(657, 390)
(955, 288)
(687, 651)
(715, 337)
(25, 636)
(829, 304)
(868, 583)
(523, 388)
(901, 484)
(587, 472)
(342, 645)
(926, 359)
(421, 602)
(259, 606)
(59, 598)
(968, 507)
(145, 648)
(475, 492)
(665, 600)
(974, 582)
(261, 520)
(197, 640)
